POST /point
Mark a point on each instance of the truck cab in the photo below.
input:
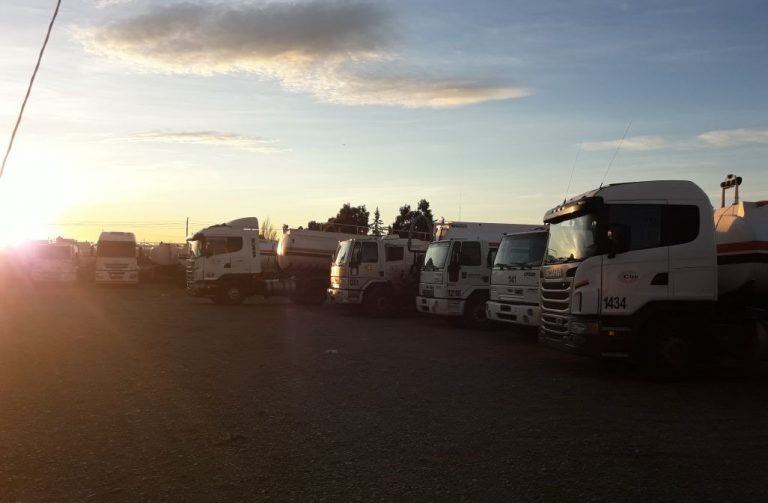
(54, 262)
(227, 261)
(514, 294)
(629, 267)
(379, 273)
(116, 260)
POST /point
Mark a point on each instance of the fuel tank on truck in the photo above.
(301, 249)
(741, 233)
(165, 254)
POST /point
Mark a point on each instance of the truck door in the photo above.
(639, 273)
(218, 261)
(472, 272)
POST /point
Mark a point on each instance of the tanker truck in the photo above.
(455, 278)
(230, 262)
(378, 273)
(641, 271)
(514, 294)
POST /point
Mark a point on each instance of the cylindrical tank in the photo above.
(741, 233)
(301, 249)
(165, 254)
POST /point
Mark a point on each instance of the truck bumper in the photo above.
(345, 296)
(440, 307)
(54, 277)
(513, 313)
(117, 277)
(589, 338)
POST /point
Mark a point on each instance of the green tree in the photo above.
(266, 230)
(376, 225)
(349, 219)
(422, 227)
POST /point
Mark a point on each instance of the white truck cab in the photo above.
(514, 295)
(54, 262)
(379, 273)
(455, 277)
(116, 261)
(631, 270)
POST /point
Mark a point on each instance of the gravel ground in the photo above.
(147, 395)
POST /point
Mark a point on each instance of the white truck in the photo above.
(230, 262)
(54, 262)
(455, 277)
(639, 270)
(514, 294)
(116, 259)
(381, 274)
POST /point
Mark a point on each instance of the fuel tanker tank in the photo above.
(741, 233)
(304, 250)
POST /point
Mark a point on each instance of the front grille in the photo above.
(190, 275)
(428, 292)
(555, 307)
(115, 266)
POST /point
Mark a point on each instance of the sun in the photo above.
(35, 192)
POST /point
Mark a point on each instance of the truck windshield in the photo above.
(54, 252)
(437, 253)
(342, 253)
(572, 240)
(115, 249)
(520, 251)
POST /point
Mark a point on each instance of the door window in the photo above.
(395, 253)
(470, 253)
(370, 253)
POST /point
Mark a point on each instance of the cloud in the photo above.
(337, 51)
(734, 137)
(636, 144)
(241, 142)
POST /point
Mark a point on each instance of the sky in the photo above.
(146, 112)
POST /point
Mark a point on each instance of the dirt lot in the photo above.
(145, 394)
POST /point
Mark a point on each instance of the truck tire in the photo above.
(668, 354)
(475, 316)
(229, 295)
(379, 302)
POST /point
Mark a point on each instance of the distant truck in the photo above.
(381, 274)
(514, 294)
(230, 262)
(455, 277)
(116, 262)
(54, 262)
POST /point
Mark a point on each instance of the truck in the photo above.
(54, 262)
(514, 293)
(646, 271)
(116, 259)
(378, 273)
(455, 278)
(230, 262)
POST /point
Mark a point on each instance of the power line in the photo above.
(29, 88)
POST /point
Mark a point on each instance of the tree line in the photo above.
(357, 220)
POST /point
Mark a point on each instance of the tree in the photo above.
(349, 219)
(266, 231)
(377, 223)
(422, 226)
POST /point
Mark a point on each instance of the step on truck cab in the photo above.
(640, 270)
(229, 262)
(116, 260)
(514, 294)
(455, 278)
(54, 262)
(379, 273)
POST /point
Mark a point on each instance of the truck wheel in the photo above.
(378, 302)
(229, 296)
(475, 316)
(669, 357)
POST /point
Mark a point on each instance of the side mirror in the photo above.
(208, 251)
(453, 272)
(619, 237)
